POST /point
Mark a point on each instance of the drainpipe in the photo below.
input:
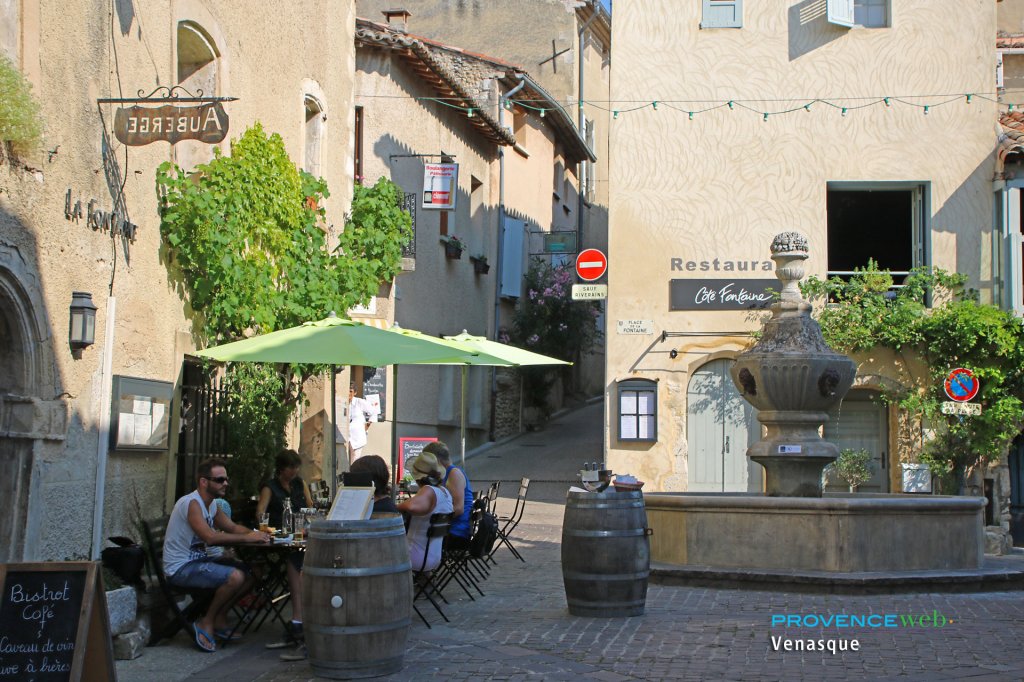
(580, 125)
(502, 100)
(103, 444)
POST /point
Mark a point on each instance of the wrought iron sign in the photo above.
(204, 120)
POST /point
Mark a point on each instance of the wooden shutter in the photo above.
(840, 12)
(723, 14)
(512, 258)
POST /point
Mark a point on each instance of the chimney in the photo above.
(398, 19)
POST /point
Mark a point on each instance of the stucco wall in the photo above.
(724, 183)
(88, 54)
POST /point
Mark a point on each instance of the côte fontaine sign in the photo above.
(139, 125)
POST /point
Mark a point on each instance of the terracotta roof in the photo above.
(417, 53)
(1009, 41)
(1011, 134)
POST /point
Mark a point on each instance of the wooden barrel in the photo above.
(606, 554)
(357, 597)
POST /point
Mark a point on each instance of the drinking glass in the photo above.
(264, 522)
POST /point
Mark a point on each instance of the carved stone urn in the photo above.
(793, 378)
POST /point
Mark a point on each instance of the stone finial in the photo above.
(789, 242)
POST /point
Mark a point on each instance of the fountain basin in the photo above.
(840, 533)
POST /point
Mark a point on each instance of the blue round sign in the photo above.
(961, 385)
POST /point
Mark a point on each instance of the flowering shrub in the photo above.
(548, 321)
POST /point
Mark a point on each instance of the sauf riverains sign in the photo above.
(139, 125)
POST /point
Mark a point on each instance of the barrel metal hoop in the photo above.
(605, 577)
(357, 629)
(605, 605)
(356, 535)
(324, 572)
(629, 533)
(634, 504)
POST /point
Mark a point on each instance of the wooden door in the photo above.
(862, 423)
(720, 425)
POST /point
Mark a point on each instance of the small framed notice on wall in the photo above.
(141, 414)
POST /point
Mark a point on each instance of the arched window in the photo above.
(314, 133)
(198, 59)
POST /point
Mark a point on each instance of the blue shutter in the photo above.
(722, 14)
(840, 12)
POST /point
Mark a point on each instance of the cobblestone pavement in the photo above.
(522, 629)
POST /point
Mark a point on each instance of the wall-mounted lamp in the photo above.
(82, 332)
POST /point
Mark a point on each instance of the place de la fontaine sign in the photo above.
(721, 284)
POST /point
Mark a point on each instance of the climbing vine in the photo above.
(956, 330)
(21, 127)
(246, 240)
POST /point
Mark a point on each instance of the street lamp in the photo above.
(82, 332)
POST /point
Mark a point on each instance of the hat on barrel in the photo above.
(426, 465)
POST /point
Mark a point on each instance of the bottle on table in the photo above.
(288, 518)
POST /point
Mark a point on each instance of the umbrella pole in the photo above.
(334, 431)
(462, 416)
(394, 432)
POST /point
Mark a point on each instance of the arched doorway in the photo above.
(15, 452)
(720, 425)
(862, 423)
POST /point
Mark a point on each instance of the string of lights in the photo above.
(762, 106)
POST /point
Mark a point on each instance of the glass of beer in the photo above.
(264, 522)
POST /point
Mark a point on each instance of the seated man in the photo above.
(457, 483)
(195, 524)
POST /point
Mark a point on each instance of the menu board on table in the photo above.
(352, 504)
(53, 623)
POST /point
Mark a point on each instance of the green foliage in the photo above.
(852, 466)
(956, 331)
(245, 234)
(548, 321)
(259, 407)
(20, 122)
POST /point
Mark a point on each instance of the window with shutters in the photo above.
(884, 222)
(722, 14)
(864, 13)
(1008, 248)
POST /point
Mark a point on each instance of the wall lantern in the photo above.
(82, 332)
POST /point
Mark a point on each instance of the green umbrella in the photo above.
(494, 354)
(337, 341)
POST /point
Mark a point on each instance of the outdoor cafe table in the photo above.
(270, 595)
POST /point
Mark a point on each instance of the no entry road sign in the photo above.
(961, 385)
(591, 264)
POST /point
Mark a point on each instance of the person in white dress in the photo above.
(361, 414)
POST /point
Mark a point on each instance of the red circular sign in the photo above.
(591, 264)
(961, 385)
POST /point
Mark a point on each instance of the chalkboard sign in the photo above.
(375, 384)
(410, 447)
(53, 623)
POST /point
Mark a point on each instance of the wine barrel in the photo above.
(606, 554)
(357, 597)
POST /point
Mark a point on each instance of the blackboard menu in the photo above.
(374, 383)
(410, 447)
(47, 612)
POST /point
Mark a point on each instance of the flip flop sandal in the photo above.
(203, 639)
(227, 634)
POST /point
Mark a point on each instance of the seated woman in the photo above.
(431, 498)
(286, 485)
(378, 470)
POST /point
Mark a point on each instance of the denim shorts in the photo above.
(206, 574)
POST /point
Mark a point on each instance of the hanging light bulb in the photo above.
(654, 105)
(926, 107)
(691, 114)
(542, 113)
(730, 104)
(615, 114)
(765, 116)
(469, 112)
(844, 111)
(807, 107)
(969, 98)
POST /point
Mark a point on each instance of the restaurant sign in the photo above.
(139, 125)
(721, 294)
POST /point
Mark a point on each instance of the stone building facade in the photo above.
(80, 215)
(738, 121)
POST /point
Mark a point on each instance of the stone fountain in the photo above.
(794, 379)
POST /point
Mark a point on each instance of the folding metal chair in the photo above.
(436, 532)
(509, 523)
(456, 561)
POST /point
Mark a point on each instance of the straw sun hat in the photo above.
(426, 465)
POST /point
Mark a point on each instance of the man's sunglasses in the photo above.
(219, 479)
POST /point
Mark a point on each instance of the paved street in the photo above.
(522, 630)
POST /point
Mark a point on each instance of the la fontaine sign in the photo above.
(139, 125)
(721, 294)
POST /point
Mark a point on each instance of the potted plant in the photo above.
(480, 264)
(453, 246)
(852, 466)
